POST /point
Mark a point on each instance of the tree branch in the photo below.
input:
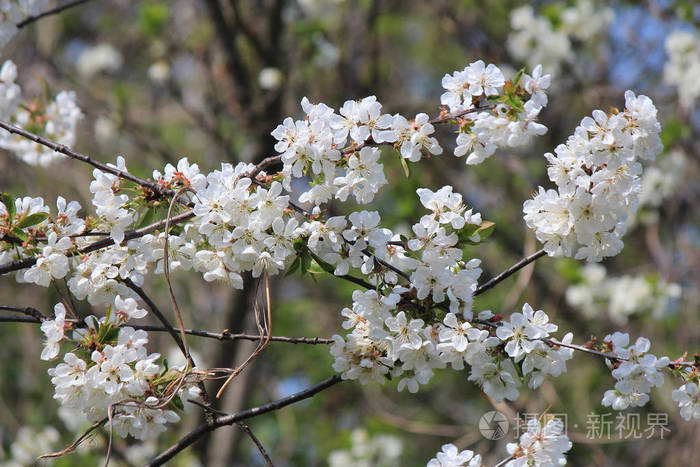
(159, 314)
(155, 187)
(510, 271)
(222, 336)
(99, 244)
(53, 11)
(205, 428)
(257, 442)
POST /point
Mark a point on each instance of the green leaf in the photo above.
(485, 229)
(406, 170)
(293, 267)
(19, 233)
(516, 80)
(514, 102)
(111, 335)
(153, 18)
(305, 263)
(147, 218)
(32, 219)
(177, 402)
(329, 268)
(9, 203)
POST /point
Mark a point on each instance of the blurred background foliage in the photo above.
(209, 80)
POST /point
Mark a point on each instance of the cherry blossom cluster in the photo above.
(12, 12)
(683, 49)
(544, 443)
(688, 399)
(660, 182)
(621, 297)
(597, 177)
(335, 149)
(55, 120)
(109, 370)
(384, 342)
(450, 456)
(378, 450)
(636, 374)
(29, 444)
(517, 104)
(551, 39)
(240, 226)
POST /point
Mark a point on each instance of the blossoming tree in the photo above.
(309, 204)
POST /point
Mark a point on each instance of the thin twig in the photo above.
(205, 428)
(257, 442)
(53, 11)
(75, 443)
(503, 462)
(29, 311)
(99, 244)
(156, 311)
(222, 336)
(155, 187)
(508, 272)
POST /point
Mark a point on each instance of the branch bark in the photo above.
(53, 11)
(65, 150)
(230, 419)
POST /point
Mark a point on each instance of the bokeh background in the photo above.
(209, 80)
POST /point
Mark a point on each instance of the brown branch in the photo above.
(257, 442)
(510, 271)
(234, 65)
(159, 314)
(29, 311)
(155, 187)
(222, 336)
(99, 244)
(447, 118)
(53, 11)
(205, 428)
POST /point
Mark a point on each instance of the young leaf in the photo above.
(147, 218)
(293, 267)
(177, 402)
(406, 170)
(9, 203)
(19, 233)
(32, 219)
(516, 80)
(305, 263)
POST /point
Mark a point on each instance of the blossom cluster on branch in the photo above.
(618, 298)
(543, 443)
(109, 374)
(553, 37)
(55, 120)
(13, 12)
(597, 173)
(415, 314)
